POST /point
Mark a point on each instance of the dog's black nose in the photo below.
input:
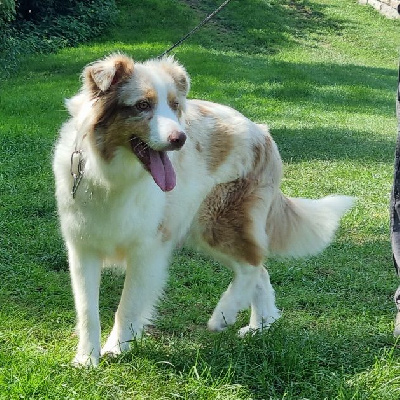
(177, 139)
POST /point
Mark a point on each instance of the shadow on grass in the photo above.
(270, 365)
(321, 143)
(331, 328)
(313, 350)
(314, 91)
(248, 26)
(326, 87)
(252, 26)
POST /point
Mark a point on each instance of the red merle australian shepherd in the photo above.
(151, 168)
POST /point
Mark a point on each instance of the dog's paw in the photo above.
(114, 346)
(246, 330)
(84, 360)
(114, 349)
(260, 326)
(220, 320)
(252, 330)
(216, 325)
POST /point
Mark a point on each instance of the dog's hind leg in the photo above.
(263, 309)
(250, 287)
(146, 274)
(85, 270)
(230, 226)
(237, 297)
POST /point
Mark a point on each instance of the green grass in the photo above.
(322, 74)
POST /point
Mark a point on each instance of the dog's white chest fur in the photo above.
(113, 221)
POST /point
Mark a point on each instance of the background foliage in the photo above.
(42, 26)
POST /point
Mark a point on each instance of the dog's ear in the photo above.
(178, 73)
(104, 74)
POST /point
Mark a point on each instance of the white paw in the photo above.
(260, 326)
(120, 340)
(215, 325)
(252, 330)
(84, 360)
(246, 330)
(219, 321)
(114, 348)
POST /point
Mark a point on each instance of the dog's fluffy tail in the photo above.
(304, 227)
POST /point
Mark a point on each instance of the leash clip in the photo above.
(77, 170)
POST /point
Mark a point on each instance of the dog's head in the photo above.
(138, 106)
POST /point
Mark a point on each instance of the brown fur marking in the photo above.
(226, 221)
(165, 233)
(205, 112)
(115, 124)
(119, 134)
(261, 152)
(220, 146)
(278, 227)
(105, 74)
(220, 143)
(150, 95)
(175, 104)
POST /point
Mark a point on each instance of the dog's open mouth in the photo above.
(156, 162)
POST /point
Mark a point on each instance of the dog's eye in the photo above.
(143, 105)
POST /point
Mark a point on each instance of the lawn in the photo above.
(323, 75)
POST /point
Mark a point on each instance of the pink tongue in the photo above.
(162, 170)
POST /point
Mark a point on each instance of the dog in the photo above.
(139, 169)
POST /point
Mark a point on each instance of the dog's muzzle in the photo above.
(176, 140)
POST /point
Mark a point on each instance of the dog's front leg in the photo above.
(144, 281)
(85, 269)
